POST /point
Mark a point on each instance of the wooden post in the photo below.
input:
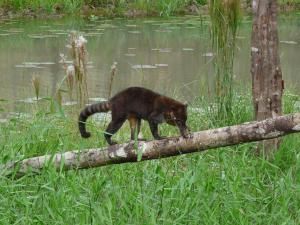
(267, 83)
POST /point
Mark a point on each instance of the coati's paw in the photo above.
(86, 135)
(142, 139)
(188, 135)
(160, 137)
(113, 143)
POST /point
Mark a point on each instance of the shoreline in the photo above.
(110, 12)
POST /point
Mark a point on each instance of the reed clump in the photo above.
(76, 70)
(113, 72)
(36, 83)
(225, 16)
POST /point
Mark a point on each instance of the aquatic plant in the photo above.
(76, 72)
(112, 75)
(36, 85)
(70, 73)
(224, 23)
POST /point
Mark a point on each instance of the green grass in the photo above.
(222, 186)
(289, 2)
(68, 6)
(110, 7)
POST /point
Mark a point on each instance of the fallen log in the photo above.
(133, 152)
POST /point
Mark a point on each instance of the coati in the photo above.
(135, 104)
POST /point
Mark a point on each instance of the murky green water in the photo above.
(169, 56)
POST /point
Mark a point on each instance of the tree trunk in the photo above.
(267, 83)
(129, 152)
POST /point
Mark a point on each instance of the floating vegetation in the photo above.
(56, 31)
(163, 50)
(208, 54)
(42, 36)
(45, 26)
(92, 34)
(173, 28)
(39, 63)
(99, 29)
(161, 65)
(106, 25)
(130, 54)
(5, 34)
(61, 33)
(149, 21)
(30, 100)
(30, 66)
(190, 27)
(15, 30)
(163, 31)
(130, 25)
(134, 32)
(10, 22)
(69, 103)
(188, 49)
(289, 42)
(98, 99)
(143, 67)
(34, 65)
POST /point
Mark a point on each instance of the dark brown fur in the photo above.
(134, 104)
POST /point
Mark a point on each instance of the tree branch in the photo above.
(130, 152)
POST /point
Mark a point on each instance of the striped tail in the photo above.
(88, 111)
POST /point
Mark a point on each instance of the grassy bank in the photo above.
(225, 186)
(128, 8)
(104, 7)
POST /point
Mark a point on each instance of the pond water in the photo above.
(172, 56)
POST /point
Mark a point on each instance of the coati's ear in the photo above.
(185, 105)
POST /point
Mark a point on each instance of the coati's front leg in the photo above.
(112, 128)
(154, 119)
(154, 130)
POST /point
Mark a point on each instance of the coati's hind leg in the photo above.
(112, 128)
(133, 122)
(135, 128)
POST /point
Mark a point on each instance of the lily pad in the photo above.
(143, 67)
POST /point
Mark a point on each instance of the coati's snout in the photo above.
(178, 117)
